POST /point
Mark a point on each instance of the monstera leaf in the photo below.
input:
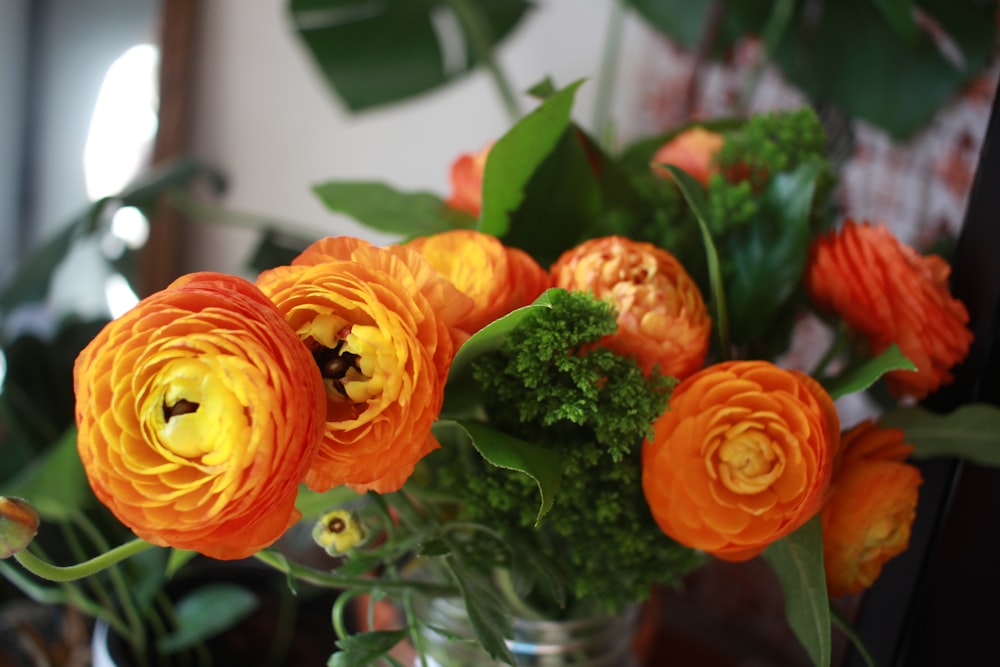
(373, 52)
(893, 63)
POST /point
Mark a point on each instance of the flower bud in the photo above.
(18, 525)
(337, 531)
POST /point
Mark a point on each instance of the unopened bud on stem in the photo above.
(18, 525)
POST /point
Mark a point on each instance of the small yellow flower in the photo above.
(337, 531)
(18, 525)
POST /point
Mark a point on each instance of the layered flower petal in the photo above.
(740, 459)
(384, 354)
(890, 294)
(662, 318)
(467, 181)
(199, 412)
(497, 278)
(692, 150)
(870, 509)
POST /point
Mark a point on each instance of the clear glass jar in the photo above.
(600, 641)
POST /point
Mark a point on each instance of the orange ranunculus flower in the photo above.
(693, 151)
(199, 413)
(467, 181)
(384, 353)
(740, 459)
(870, 508)
(662, 318)
(498, 279)
(888, 293)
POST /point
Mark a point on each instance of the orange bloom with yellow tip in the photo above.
(199, 412)
(742, 458)
(467, 181)
(870, 509)
(662, 318)
(383, 350)
(497, 278)
(890, 294)
(692, 150)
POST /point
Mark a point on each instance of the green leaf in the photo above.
(769, 256)
(489, 619)
(695, 198)
(516, 156)
(971, 432)
(845, 626)
(207, 612)
(543, 465)
(385, 209)
(561, 202)
(888, 78)
(55, 483)
(490, 337)
(34, 275)
(863, 376)
(798, 561)
(365, 648)
(376, 52)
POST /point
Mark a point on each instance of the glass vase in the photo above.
(598, 641)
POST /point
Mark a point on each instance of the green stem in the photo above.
(774, 29)
(330, 579)
(470, 18)
(832, 352)
(415, 636)
(608, 74)
(87, 568)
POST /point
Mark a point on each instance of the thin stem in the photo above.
(832, 352)
(470, 17)
(608, 74)
(415, 637)
(774, 29)
(332, 580)
(45, 570)
(66, 594)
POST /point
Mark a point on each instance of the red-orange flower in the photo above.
(692, 150)
(383, 350)
(497, 278)
(870, 508)
(888, 293)
(662, 318)
(741, 458)
(199, 413)
(467, 181)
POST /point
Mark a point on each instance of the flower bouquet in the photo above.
(568, 384)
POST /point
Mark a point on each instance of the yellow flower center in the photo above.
(748, 461)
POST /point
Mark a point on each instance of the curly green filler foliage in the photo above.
(766, 145)
(550, 384)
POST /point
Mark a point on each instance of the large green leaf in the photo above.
(859, 378)
(516, 156)
(543, 465)
(694, 195)
(373, 52)
(489, 619)
(798, 561)
(971, 432)
(561, 202)
(891, 75)
(206, 612)
(381, 207)
(55, 482)
(886, 76)
(769, 256)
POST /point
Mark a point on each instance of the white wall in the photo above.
(264, 116)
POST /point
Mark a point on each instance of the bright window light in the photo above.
(119, 295)
(124, 123)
